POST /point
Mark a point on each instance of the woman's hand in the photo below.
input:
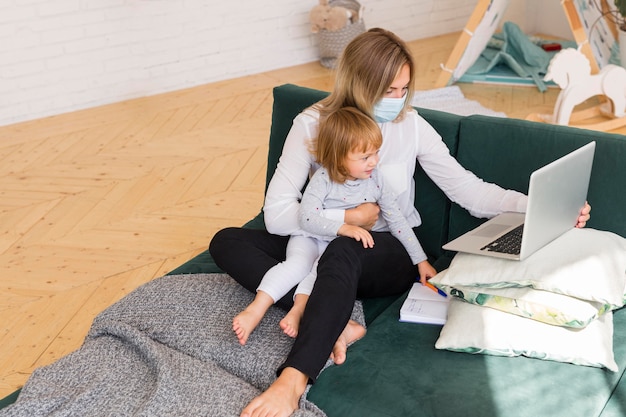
(357, 233)
(364, 216)
(584, 216)
(426, 271)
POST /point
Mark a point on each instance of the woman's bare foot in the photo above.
(351, 333)
(291, 322)
(246, 321)
(281, 398)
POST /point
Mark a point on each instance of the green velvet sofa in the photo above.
(395, 369)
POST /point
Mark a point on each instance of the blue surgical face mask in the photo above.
(388, 108)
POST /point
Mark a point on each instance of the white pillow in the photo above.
(475, 329)
(544, 306)
(583, 263)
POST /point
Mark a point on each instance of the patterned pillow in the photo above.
(544, 306)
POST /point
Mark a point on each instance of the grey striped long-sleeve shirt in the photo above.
(321, 194)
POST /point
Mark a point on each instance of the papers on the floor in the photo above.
(451, 100)
(423, 305)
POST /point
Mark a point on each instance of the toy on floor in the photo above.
(336, 23)
(325, 16)
(571, 71)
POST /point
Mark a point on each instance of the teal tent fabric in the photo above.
(517, 51)
(615, 58)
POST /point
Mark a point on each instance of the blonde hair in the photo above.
(367, 67)
(341, 132)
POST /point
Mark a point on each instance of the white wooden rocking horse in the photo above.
(571, 71)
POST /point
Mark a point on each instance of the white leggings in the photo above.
(298, 268)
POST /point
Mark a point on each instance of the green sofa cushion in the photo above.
(289, 101)
(9, 399)
(507, 151)
(202, 263)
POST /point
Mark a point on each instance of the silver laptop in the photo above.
(556, 194)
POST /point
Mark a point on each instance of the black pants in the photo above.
(346, 271)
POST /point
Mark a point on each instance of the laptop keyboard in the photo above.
(510, 242)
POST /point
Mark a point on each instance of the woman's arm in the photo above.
(365, 215)
(480, 198)
(282, 199)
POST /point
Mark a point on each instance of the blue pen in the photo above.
(435, 289)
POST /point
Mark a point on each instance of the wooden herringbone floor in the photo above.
(97, 202)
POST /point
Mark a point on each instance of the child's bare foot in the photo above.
(291, 322)
(351, 333)
(246, 321)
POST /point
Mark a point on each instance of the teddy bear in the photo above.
(333, 15)
(335, 23)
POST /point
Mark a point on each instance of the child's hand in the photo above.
(357, 233)
(426, 271)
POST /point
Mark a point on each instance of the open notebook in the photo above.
(423, 305)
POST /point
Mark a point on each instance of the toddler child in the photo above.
(347, 148)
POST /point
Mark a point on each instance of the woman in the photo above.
(375, 75)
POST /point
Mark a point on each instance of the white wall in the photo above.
(545, 17)
(58, 56)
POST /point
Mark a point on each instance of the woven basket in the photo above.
(331, 44)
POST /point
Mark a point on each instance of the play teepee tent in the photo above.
(594, 35)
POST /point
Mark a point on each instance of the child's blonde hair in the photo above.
(343, 131)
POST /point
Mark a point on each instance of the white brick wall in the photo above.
(58, 56)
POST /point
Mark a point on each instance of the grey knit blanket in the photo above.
(166, 349)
